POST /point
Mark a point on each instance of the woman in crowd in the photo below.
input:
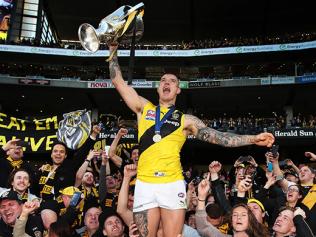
(243, 223)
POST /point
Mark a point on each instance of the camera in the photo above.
(274, 150)
(269, 166)
(75, 199)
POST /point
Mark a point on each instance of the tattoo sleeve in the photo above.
(204, 133)
(114, 67)
(141, 221)
(223, 138)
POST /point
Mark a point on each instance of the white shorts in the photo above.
(167, 195)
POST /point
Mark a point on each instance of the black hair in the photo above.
(188, 214)
(61, 229)
(62, 144)
(134, 148)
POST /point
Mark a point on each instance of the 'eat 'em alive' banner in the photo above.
(39, 134)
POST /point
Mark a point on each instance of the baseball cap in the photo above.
(69, 190)
(291, 172)
(11, 195)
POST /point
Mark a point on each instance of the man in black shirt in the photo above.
(62, 172)
(10, 209)
(11, 156)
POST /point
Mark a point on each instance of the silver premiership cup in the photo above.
(116, 27)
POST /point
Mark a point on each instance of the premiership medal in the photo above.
(158, 123)
(157, 138)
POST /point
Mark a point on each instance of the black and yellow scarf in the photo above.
(310, 199)
(16, 164)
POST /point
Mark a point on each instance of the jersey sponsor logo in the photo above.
(174, 123)
(150, 115)
(159, 174)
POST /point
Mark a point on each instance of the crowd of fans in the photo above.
(90, 192)
(250, 124)
(253, 125)
(92, 73)
(194, 44)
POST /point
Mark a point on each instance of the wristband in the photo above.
(201, 200)
(87, 160)
(279, 177)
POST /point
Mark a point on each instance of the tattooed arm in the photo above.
(129, 95)
(194, 126)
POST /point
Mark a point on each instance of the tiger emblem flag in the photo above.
(75, 128)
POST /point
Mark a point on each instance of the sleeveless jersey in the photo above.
(160, 162)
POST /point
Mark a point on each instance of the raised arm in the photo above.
(104, 171)
(129, 95)
(84, 166)
(20, 224)
(122, 208)
(112, 151)
(310, 155)
(283, 183)
(204, 227)
(194, 126)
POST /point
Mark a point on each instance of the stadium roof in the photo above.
(176, 20)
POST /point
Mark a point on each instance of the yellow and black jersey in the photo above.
(159, 162)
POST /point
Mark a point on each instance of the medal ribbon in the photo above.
(158, 122)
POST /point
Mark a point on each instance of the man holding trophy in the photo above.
(160, 193)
